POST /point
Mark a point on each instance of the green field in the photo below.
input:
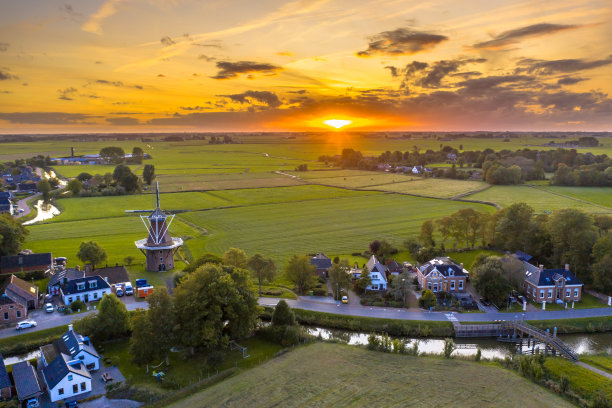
(325, 375)
(581, 380)
(601, 361)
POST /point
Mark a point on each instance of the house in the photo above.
(22, 292)
(378, 275)
(451, 157)
(5, 381)
(521, 256)
(442, 275)
(66, 377)
(26, 381)
(393, 268)
(26, 263)
(61, 277)
(111, 274)
(6, 206)
(6, 194)
(85, 289)
(321, 263)
(11, 311)
(551, 285)
(74, 345)
(27, 187)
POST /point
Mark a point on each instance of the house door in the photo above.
(86, 297)
(558, 293)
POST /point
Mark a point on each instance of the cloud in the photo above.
(560, 66)
(161, 76)
(300, 92)
(229, 69)
(268, 98)
(513, 36)
(167, 41)
(71, 12)
(206, 58)
(6, 92)
(5, 76)
(394, 71)
(4, 46)
(66, 94)
(431, 75)
(570, 80)
(210, 44)
(401, 41)
(285, 53)
(123, 121)
(196, 108)
(46, 118)
(117, 84)
(94, 23)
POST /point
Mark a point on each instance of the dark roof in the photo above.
(5, 300)
(5, 194)
(320, 261)
(444, 266)
(71, 343)
(393, 266)
(26, 381)
(374, 266)
(18, 261)
(59, 368)
(70, 288)
(5, 381)
(547, 277)
(68, 273)
(523, 256)
(111, 274)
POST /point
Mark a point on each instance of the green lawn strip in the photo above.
(587, 302)
(601, 361)
(23, 342)
(42, 285)
(582, 381)
(275, 291)
(580, 325)
(324, 374)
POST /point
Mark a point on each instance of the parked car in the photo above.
(48, 297)
(61, 260)
(26, 324)
(32, 403)
(345, 299)
(118, 290)
(71, 404)
(129, 290)
(49, 308)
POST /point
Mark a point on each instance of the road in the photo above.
(24, 206)
(328, 305)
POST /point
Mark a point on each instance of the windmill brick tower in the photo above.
(158, 247)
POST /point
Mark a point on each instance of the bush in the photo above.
(283, 315)
(478, 355)
(319, 292)
(77, 305)
(449, 347)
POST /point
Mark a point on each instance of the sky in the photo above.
(265, 65)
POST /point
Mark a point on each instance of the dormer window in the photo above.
(80, 286)
(93, 284)
(451, 272)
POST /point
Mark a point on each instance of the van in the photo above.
(129, 290)
(118, 290)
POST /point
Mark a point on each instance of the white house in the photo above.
(86, 289)
(378, 274)
(66, 377)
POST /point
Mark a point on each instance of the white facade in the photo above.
(87, 359)
(66, 387)
(89, 296)
(378, 281)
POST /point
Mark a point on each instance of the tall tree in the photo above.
(513, 227)
(339, 276)
(490, 280)
(12, 235)
(399, 286)
(75, 186)
(91, 252)
(283, 315)
(235, 257)
(263, 269)
(121, 171)
(444, 228)
(148, 173)
(113, 154)
(364, 279)
(426, 235)
(603, 223)
(300, 272)
(111, 322)
(44, 187)
(162, 321)
(602, 275)
(142, 349)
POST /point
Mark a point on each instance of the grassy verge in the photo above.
(276, 292)
(582, 381)
(581, 325)
(24, 342)
(601, 361)
(587, 302)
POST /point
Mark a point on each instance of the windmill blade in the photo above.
(139, 211)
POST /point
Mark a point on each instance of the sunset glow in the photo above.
(337, 123)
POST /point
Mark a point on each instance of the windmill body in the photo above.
(158, 247)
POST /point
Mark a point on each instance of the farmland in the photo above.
(358, 377)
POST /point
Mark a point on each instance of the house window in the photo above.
(460, 285)
(81, 286)
(70, 300)
(452, 273)
(81, 357)
(70, 377)
(95, 295)
(83, 386)
(375, 287)
(435, 289)
(5, 315)
(429, 285)
(93, 285)
(576, 292)
(541, 293)
(60, 391)
(568, 292)
(452, 285)
(18, 313)
(75, 388)
(549, 293)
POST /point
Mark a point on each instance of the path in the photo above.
(594, 369)
(23, 205)
(569, 197)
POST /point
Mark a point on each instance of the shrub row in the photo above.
(26, 342)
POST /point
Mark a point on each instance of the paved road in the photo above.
(24, 206)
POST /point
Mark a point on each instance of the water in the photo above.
(23, 357)
(43, 215)
(490, 347)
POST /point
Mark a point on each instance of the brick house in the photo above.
(11, 311)
(442, 275)
(22, 292)
(322, 264)
(26, 263)
(551, 285)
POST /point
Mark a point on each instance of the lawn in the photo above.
(601, 361)
(582, 381)
(587, 302)
(338, 375)
(595, 195)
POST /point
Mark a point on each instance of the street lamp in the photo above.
(338, 293)
(404, 291)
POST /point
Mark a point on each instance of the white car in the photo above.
(129, 290)
(49, 308)
(26, 324)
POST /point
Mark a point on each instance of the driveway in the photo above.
(24, 206)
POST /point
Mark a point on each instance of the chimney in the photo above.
(70, 327)
(87, 268)
(541, 267)
(78, 268)
(461, 266)
(72, 152)
(567, 267)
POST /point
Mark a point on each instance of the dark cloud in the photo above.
(167, 41)
(5, 76)
(561, 66)
(161, 76)
(300, 92)
(197, 107)
(570, 80)
(6, 92)
(46, 118)
(570, 101)
(117, 84)
(206, 58)
(478, 86)
(268, 98)
(210, 44)
(394, 71)
(67, 93)
(123, 121)
(4, 46)
(99, 62)
(513, 36)
(402, 41)
(466, 75)
(229, 69)
(431, 76)
(71, 12)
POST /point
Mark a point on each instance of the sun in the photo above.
(337, 123)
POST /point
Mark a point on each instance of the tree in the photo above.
(263, 269)
(12, 235)
(137, 152)
(113, 154)
(130, 183)
(204, 259)
(84, 176)
(283, 315)
(45, 188)
(444, 228)
(235, 257)
(602, 275)
(111, 322)
(364, 279)
(300, 272)
(339, 277)
(399, 286)
(162, 321)
(91, 252)
(603, 223)
(513, 227)
(148, 173)
(213, 306)
(426, 235)
(428, 299)
(142, 349)
(74, 186)
(514, 270)
(449, 347)
(121, 171)
(602, 247)
(491, 281)
(375, 247)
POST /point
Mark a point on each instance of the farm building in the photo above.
(26, 263)
(85, 289)
(11, 311)
(321, 263)
(26, 381)
(111, 274)
(22, 292)
(442, 275)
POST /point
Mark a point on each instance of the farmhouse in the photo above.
(321, 263)
(85, 289)
(22, 292)
(442, 275)
(551, 285)
(11, 311)
(26, 263)
(378, 275)
(111, 274)
(5, 381)
(62, 277)
(26, 381)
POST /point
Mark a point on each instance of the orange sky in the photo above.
(239, 65)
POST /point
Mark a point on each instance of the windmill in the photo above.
(158, 247)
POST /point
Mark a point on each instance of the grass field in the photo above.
(582, 381)
(601, 361)
(337, 375)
